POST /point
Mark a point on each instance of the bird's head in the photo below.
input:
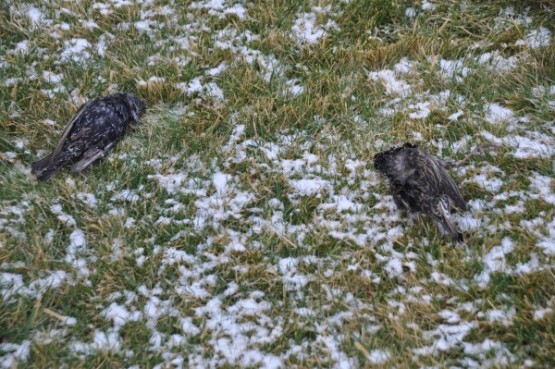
(382, 159)
(136, 106)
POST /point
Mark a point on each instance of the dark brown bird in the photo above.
(94, 129)
(420, 184)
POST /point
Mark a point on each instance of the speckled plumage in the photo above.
(419, 183)
(94, 129)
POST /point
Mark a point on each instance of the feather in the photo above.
(420, 184)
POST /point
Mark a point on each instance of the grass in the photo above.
(253, 231)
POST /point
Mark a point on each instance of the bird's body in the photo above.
(94, 129)
(420, 184)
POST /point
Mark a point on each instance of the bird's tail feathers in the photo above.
(45, 168)
(443, 218)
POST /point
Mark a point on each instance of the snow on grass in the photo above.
(51, 77)
(496, 113)
(427, 6)
(88, 198)
(540, 37)
(494, 61)
(221, 8)
(306, 30)
(454, 69)
(536, 145)
(14, 354)
(393, 86)
(543, 186)
(488, 179)
(282, 247)
(494, 261)
(76, 49)
(294, 87)
(445, 337)
(547, 242)
(379, 357)
(196, 85)
(62, 216)
(542, 313)
(308, 187)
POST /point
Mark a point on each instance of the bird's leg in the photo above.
(481, 149)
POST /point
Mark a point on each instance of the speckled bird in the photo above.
(420, 184)
(96, 127)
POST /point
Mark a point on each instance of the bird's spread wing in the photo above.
(69, 128)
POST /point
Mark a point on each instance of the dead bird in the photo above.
(97, 126)
(420, 184)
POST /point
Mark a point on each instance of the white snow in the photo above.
(539, 146)
(495, 113)
(120, 315)
(22, 47)
(14, 354)
(393, 86)
(63, 217)
(547, 242)
(51, 77)
(89, 199)
(494, 261)
(453, 69)
(379, 357)
(410, 12)
(306, 30)
(76, 49)
(455, 116)
(535, 39)
(220, 8)
(427, 6)
(494, 61)
(309, 187)
(143, 26)
(541, 313)
(445, 337)
(35, 16)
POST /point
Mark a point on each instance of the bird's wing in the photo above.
(449, 187)
(432, 177)
(90, 156)
(444, 184)
(69, 128)
(442, 215)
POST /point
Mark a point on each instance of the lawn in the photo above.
(242, 224)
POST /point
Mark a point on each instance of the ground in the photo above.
(242, 224)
